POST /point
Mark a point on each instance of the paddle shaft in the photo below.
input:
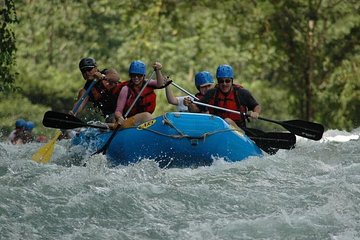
(185, 91)
(216, 107)
(82, 98)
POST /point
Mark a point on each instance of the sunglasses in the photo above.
(136, 75)
(87, 69)
(111, 82)
(227, 80)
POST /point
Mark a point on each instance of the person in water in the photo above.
(145, 105)
(228, 95)
(105, 92)
(203, 82)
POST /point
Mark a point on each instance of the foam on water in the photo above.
(310, 192)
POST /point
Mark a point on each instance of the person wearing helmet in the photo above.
(17, 132)
(231, 96)
(105, 92)
(27, 133)
(145, 105)
(29, 126)
(203, 82)
(88, 68)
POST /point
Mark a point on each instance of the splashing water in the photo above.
(310, 192)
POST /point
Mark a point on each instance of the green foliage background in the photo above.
(300, 59)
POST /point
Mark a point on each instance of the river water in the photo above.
(310, 192)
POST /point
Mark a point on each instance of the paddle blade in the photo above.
(305, 129)
(43, 155)
(104, 148)
(61, 120)
(270, 142)
(275, 140)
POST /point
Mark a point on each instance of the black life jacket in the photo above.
(102, 98)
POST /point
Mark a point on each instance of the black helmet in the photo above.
(87, 63)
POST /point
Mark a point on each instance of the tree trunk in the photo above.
(310, 69)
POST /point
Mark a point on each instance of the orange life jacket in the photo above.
(145, 103)
(231, 101)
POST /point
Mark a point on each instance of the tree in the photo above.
(7, 46)
(316, 37)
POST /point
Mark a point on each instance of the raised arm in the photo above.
(160, 81)
(170, 96)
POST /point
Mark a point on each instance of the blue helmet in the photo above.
(224, 71)
(20, 123)
(202, 78)
(137, 67)
(29, 126)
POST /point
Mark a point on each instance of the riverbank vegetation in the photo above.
(300, 59)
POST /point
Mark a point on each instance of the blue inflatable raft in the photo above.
(173, 140)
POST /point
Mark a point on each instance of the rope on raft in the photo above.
(182, 135)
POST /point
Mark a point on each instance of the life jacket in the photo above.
(102, 98)
(116, 90)
(199, 95)
(231, 101)
(145, 103)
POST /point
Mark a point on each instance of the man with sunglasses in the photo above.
(228, 95)
(105, 92)
(145, 105)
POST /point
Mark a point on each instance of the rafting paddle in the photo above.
(65, 121)
(271, 142)
(43, 155)
(301, 128)
(107, 144)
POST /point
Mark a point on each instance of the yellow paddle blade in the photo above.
(43, 155)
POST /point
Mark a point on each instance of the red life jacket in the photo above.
(116, 90)
(145, 103)
(199, 95)
(230, 100)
